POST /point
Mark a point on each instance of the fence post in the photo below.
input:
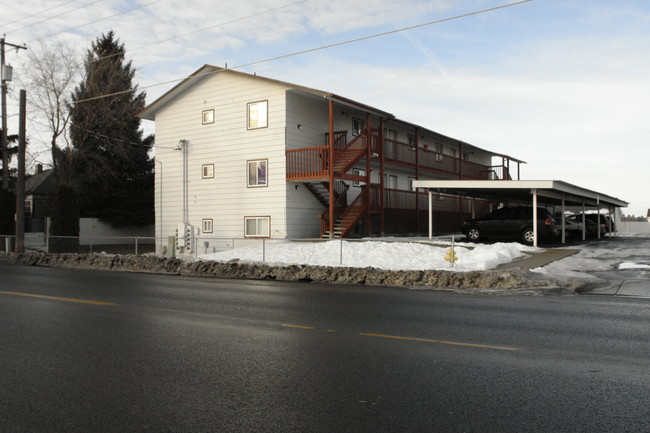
(453, 253)
(341, 254)
(263, 250)
(136, 246)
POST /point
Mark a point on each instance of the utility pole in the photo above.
(20, 183)
(6, 72)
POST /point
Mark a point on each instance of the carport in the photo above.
(529, 192)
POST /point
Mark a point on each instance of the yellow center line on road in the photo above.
(453, 343)
(55, 298)
(298, 326)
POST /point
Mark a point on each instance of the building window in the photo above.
(466, 156)
(390, 134)
(453, 152)
(411, 141)
(257, 227)
(438, 150)
(207, 171)
(29, 205)
(256, 173)
(390, 181)
(206, 225)
(358, 126)
(257, 114)
(358, 172)
(208, 116)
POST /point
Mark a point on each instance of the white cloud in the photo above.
(560, 85)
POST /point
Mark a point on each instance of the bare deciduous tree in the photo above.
(50, 75)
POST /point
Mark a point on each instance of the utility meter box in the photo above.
(185, 238)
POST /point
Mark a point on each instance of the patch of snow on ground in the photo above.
(396, 254)
(633, 266)
(619, 252)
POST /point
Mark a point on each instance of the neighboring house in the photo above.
(39, 188)
(239, 155)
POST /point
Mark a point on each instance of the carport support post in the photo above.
(430, 214)
(584, 227)
(563, 227)
(598, 214)
(534, 217)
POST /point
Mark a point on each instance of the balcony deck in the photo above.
(312, 163)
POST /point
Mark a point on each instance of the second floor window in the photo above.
(257, 115)
(256, 173)
(412, 141)
(438, 149)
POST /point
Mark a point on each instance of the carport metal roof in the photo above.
(535, 192)
(549, 192)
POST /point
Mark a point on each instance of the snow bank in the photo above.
(389, 255)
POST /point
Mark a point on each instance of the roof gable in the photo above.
(205, 71)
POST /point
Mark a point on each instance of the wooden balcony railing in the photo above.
(313, 162)
(308, 163)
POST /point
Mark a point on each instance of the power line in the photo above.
(311, 50)
(37, 13)
(96, 21)
(376, 35)
(55, 16)
(96, 134)
(206, 28)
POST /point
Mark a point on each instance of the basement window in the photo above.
(257, 227)
(206, 225)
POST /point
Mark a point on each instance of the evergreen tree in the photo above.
(109, 160)
(12, 150)
(8, 198)
(64, 226)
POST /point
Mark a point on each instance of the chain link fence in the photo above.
(73, 244)
(383, 253)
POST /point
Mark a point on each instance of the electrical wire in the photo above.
(311, 50)
(205, 28)
(96, 134)
(96, 21)
(55, 16)
(37, 13)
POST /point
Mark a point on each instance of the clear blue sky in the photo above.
(560, 84)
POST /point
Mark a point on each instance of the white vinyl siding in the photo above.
(229, 142)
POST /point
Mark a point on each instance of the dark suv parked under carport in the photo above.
(513, 222)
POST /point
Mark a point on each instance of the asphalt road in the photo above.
(85, 351)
